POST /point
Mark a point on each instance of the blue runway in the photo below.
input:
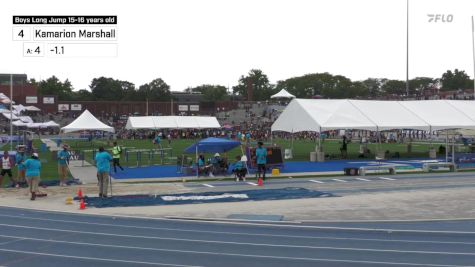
(289, 167)
(33, 238)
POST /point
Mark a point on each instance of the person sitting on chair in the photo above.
(202, 167)
(216, 164)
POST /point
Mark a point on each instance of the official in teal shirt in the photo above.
(261, 160)
(33, 169)
(103, 166)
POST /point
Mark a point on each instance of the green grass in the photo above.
(301, 151)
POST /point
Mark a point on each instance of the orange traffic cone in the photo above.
(80, 193)
(260, 182)
(82, 205)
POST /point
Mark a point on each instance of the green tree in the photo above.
(419, 84)
(394, 87)
(53, 86)
(374, 86)
(110, 89)
(156, 90)
(211, 93)
(82, 95)
(261, 87)
(455, 80)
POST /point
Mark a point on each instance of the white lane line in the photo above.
(217, 242)
(316, 181)
(272, 225)
(11, 241)
(94, 259)
(363, 179)
(386, 178)
(339, 180)
(251, 183)
(211, 253)
(208, 185)
(239, 233)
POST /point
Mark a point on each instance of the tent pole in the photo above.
(11, 112)
(446, 145)
(197, 167)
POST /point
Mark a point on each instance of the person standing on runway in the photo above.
(20, 158)
(103, 160)
(116, 151)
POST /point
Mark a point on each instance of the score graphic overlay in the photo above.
(66, 36)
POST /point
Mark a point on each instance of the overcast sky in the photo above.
(192, 42)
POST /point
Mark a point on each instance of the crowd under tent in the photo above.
(86, 121)
(171, 122)
(283, 94)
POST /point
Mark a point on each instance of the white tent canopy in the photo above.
(322, 115)
(32, 108)
(283, 94)
(172, 122)
(86, 121)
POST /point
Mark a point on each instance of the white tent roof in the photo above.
(26, 119)
(322, 115)
(51, 124)
(19, 123)
(283, 94)
(32, 108)
(86, 121)
(172, 122)
(4, 99)
(8, 114)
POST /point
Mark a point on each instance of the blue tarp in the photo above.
(213, 145)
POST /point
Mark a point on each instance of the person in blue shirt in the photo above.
(157, 141)
(239, 169)
(261, 160)
(33, 169)
(19, 161)
(63, 162)
(103, 159)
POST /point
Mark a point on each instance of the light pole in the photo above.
(473, 53)
(11, 112)
(407, 48)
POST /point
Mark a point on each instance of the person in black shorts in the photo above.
(7, 164)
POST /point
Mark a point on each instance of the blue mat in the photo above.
(289, 167)
(207, 197)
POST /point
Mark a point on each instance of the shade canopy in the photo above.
(172, 122)
(283, 94)
(328, 114)
(213, 145)
(86, 121)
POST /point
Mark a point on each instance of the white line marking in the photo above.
(202, 252)
(236, 233)
(92, 258)
(208, 185)
(273, 225)
(251, 183)
(215, 242)
(339, 180)
(363, 179)
(316, 181)
(386, 178)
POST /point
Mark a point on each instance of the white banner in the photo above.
(194, 107)
(172, 198)
(48, 100)
(76, 106)
(31, 100)
(63, 107)
(182, 107)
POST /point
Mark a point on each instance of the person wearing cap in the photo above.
(116, 151)
(7, 164)
(19, 162)
(103, 159)
(157, 141)
(63, 162)
(261, 160)
(33, 169)
(216, 163)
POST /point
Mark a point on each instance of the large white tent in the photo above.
(86, 121)
(323, 114)
(283, 94)
(172, 122)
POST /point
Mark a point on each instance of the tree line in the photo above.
(323, 85)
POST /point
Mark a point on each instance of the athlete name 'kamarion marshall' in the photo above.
(86, 34)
